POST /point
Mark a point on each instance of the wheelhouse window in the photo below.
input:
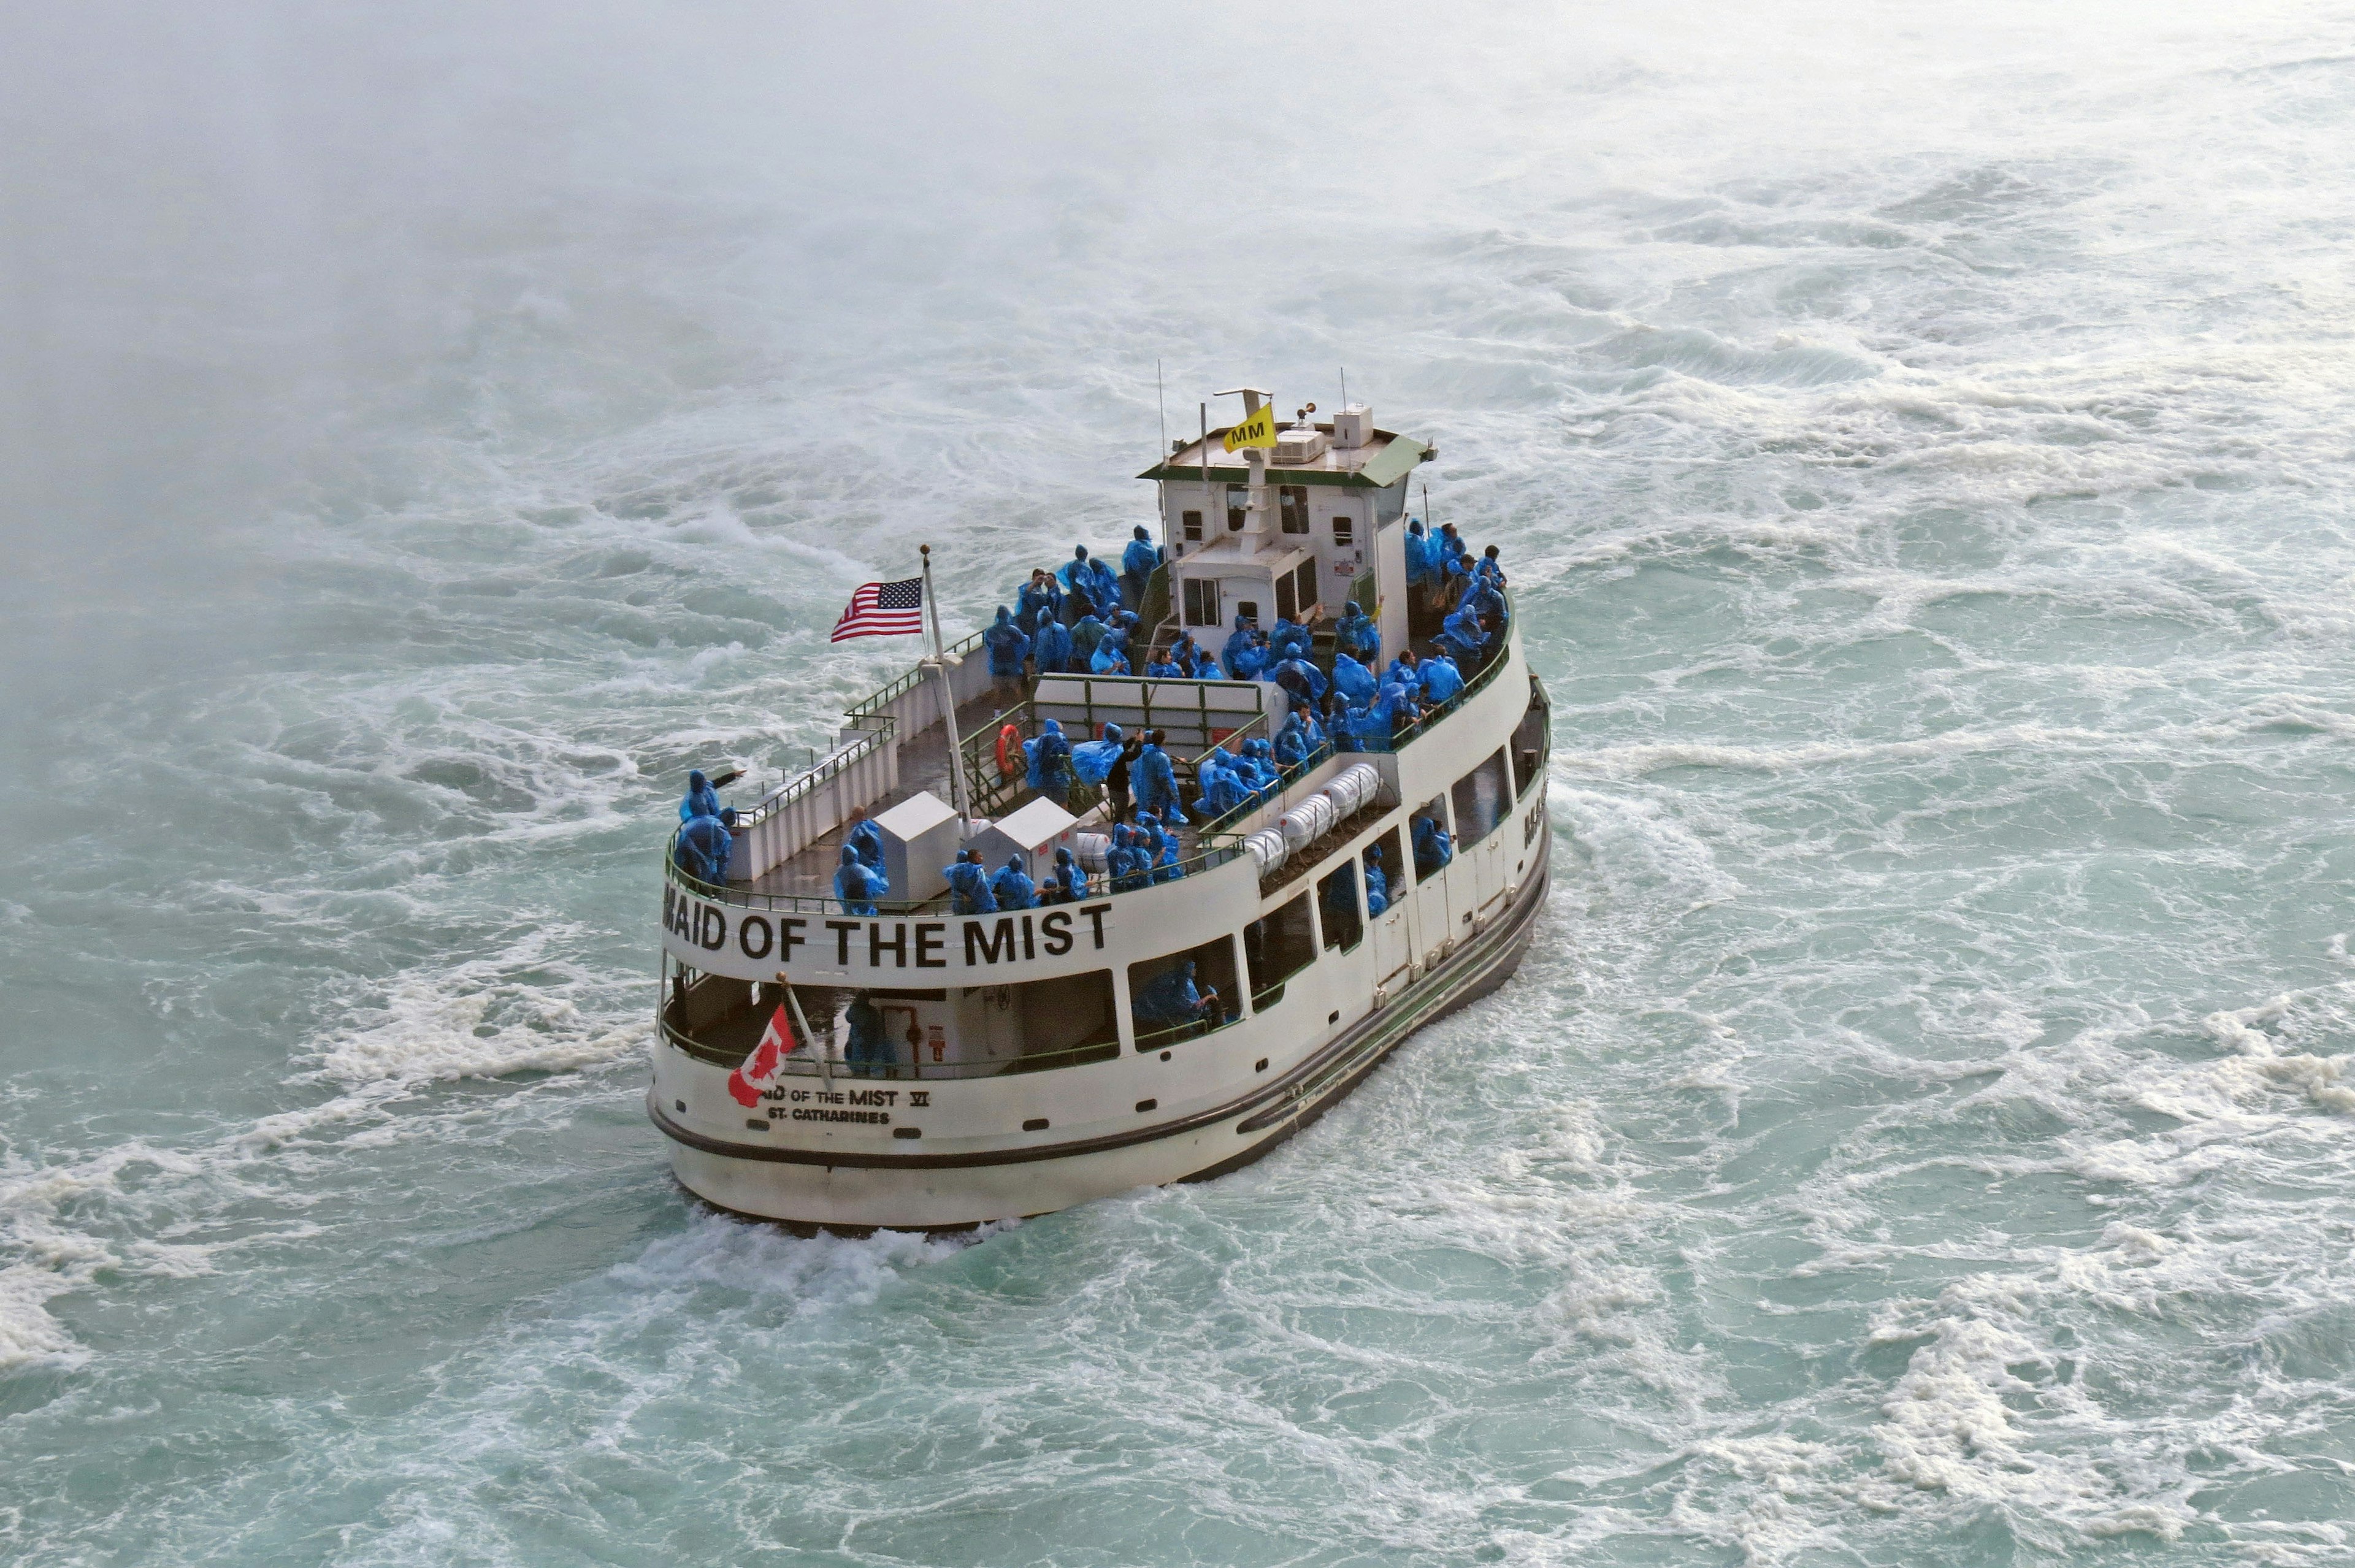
(1276, 946)
(1182, 995)
(1481, 798)
(1345, 530)
(1190, 527)
(1292, 507)
(1303, 586)
(1532, 742)
(1337, 906)
(1237, 505)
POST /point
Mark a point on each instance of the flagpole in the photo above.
(948, 699)
(824, 1047)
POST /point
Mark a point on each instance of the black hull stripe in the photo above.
(1299, 1096)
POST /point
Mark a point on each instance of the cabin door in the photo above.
(1394, 944)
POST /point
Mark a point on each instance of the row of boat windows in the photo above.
(1291, 511)
(1173, 997)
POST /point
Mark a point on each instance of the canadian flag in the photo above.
(759, 1068)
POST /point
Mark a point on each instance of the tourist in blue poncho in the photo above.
(1129, 863)
(1291, 749)
(1085, 638)
(1206, 665)
(871, 1049)
(1353, 680)
(702, 849)
(1440, 679)
(1290, 640)
(1224, 789)
(854, 885)
(1463, 638)
(1304, 681)
(1155, 781)
(969, 885)
(1039, 601)
(1012, 886)
(1066, 884)
(1136, 564)
(1244, 656)
(1421, 556)
(1377, 885)
(1171, 1000)
(701, 800)
(1050, 757)
(1451, 545)
(1008, 647)
(1164, 668)
(1111, 656)
(1489, 568)
(1166, 867)
(1053, 647)
(1357, 635)
(1091, 760)
(1432, 846)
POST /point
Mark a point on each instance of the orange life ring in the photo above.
(1010, 751)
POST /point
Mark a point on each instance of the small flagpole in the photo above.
(948, 699)
(824, 1047)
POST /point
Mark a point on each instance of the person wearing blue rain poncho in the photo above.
(1206, 664)
(1481, 597)
(1244, 656)
(868, 839)
(1163, 668)
(1012, 886)
(1151, 836)
(1440, 679)
(1341, 904)
(703, 849)
(1302, 679)
(871, 1049)
(1451, 545)
(1463, 638)
(1007, 648)
(1053, 647)
(701, 800)
(1111, 656)
(1171, 1000)
(1085, 638)
(1091, 760)
(1136, 564)
(1421, 558)
(1155, 781)
(1124, 863)
(1290, 640)
(1357, 635)
(1166, 868)
(1291, 749)
(1039, 601)
(1353, 680)
(1224, 789)
(969, 885)
(1489, 568)
(1377, 884)
(1078, 573)
(1066, 884)
(854, 885)
(1432, 846)
(1051, 762)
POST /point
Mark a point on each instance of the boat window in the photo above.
(1238, 503)
(1480, 801)
(1337, 906)
(1277, 946)
(1430, 855)
(1292, 507)
(1385, 857)
(1345, 529)
(1303, 586)
(1037, 1024)
(1201, 601)
(1191, 522)
(1287, 601)
(1532, 743)
(1166, 1003)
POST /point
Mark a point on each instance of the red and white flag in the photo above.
(759, 1070)
(883, 610)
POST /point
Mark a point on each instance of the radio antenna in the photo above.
(1161, 403)
(1345, 388)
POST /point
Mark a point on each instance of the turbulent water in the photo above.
(1920, 442)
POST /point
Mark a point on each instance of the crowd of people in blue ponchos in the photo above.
(1083, 617)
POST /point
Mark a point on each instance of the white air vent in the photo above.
(1299, 445)
(1353, 427)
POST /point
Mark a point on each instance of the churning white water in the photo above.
(1920, 439)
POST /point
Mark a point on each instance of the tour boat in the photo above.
(1021, 1070)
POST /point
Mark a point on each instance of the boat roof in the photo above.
(1379, 463)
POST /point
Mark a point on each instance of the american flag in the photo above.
(883, 610)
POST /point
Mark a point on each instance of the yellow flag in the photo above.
(1258, 430)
